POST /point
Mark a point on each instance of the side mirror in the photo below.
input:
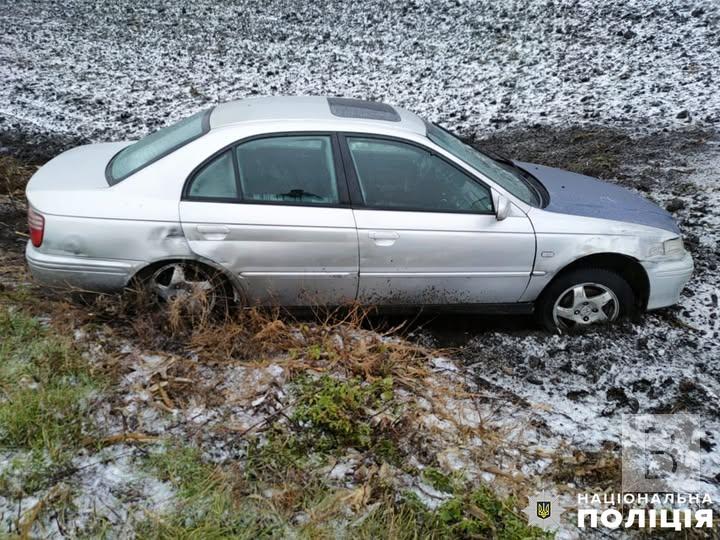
(502, 207)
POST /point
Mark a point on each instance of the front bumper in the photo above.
(78, 273)
(667, 279)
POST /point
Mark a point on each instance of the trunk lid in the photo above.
(79, 169)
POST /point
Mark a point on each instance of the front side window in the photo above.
(156, 145)
(506, 175)
(292, 169)
(396, 175)
(215, 180)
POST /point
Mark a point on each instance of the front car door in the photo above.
(274, 210)
(427, 230)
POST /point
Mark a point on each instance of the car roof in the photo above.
(348, 114)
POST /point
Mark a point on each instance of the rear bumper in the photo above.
(79, 273)
(667, 279)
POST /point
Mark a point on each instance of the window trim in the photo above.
(205, 129)
(340, 177)
(356, 196)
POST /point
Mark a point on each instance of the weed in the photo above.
(338, 413)
(46, 389)
(30, 472)
(183, 467)
(438, 480)
(315, 352)
(387, 450)
(480, 514)
(277, 459)
(207, 505)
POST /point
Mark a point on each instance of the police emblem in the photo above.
(544, 511)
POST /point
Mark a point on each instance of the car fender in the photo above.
(563, 239)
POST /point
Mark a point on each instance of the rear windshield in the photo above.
(156, 145)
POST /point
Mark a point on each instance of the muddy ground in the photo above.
(572, 389)
(667, 362)
(626, 91)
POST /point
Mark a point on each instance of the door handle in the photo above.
(383, 235)
(213, 232)
(383, 238)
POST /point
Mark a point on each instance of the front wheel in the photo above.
(584, 297)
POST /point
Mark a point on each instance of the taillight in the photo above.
(36, 224)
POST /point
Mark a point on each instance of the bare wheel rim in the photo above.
(585, 304)
(183, 282)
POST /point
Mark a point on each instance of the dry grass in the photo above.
(339, 342)
(597, 470)
(14, 176)
(423, 414)
(334, 341)
(430, 412)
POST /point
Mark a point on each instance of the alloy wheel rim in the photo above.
(585, 304)
(179, 282)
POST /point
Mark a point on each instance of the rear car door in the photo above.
(427, 230)
(274, 211)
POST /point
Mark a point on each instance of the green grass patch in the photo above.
(336, 413)
(209, 502)
(215, 502)
(438, 479)
(45, 391)
(278, 457)
(479, 514)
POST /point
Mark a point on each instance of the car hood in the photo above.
(580, 195)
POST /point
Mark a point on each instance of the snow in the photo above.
(115, 70)
(579, 386)
(111, 487)
(107, 488)
(428, 495)
(99, 70)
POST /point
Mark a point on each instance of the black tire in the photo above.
(558, 288)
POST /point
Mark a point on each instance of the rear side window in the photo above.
(155, 146)
(216, 179)
(288, 169)
(396, 175)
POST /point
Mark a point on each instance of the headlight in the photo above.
(673, 246)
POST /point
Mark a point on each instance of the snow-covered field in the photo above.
(521, 75)
(108, 70)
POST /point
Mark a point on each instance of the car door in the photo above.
(274, 211)
(427, 230)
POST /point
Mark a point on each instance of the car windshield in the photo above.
(505, 174)
(156, 145)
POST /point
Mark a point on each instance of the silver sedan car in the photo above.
(299, 201)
